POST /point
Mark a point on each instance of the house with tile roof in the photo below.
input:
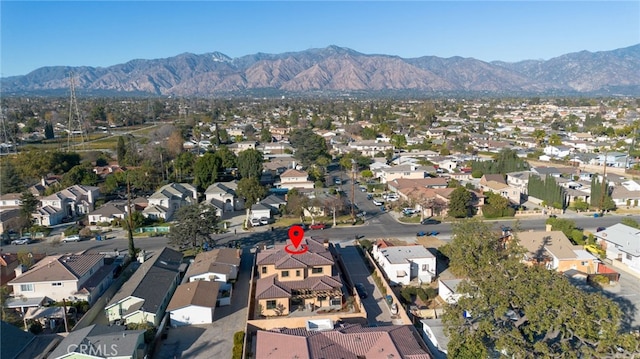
(554, 250)
(107, 213)
(288, 282)
(101, 341)
(10, 261)
(349, 341)
(71, 277)
(164, 202)
(193, 303)
(145, 296)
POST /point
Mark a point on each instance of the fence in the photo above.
(164, 229)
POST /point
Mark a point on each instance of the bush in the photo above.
(237, 352)
(238, 338)
(72, 230)
(477, 174)
(366, 244)
(35, 328)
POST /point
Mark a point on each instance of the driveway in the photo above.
(212, 340)
(377, 309)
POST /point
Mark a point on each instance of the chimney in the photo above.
(548, 228)
(19, 270)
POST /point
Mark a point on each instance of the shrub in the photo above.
(366, 244)
(238, 338)
(35, 328)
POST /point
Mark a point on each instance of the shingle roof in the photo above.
(151, 282)
(214, 261)
(199, 293)
(99, 338)
(60, 268)
(555, 242)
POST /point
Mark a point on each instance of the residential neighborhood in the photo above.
(185, 226)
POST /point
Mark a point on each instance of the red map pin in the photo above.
(296, 234)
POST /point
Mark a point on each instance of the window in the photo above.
(285, 273)
(316, 270)
(271, 304)
(26, 287)
(264, 270)
(584, 263)
(629, 257)
(56, 284)
(425, 267)
(297, 272)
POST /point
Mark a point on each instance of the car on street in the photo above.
(600, 229)
(430, 221)
(318, 226)
(362, 291)
(302, 225)
(22, 240)
(369, 196)
(378, 203)
(427, 233)
(73, 238)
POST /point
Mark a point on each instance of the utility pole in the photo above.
(604, 184)
(353, 189)
(132, 248)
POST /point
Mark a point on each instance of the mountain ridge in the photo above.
(341, 69)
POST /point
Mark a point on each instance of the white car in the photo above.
(73, 238)
(255, 222)
(378, 203)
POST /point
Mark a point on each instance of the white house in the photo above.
(107, 213)
(165, 202)
(434, 336)
(193, 303)
(448, 290)
(401, 264)
(223, 195)
(293, 178)
(622, 243)
(557, 151)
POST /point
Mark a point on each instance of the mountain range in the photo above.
(342, 70)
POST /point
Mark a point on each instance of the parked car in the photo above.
(430, 221)
(73, 238)
(302, 225)
(255, 222)
(600, 229)
(409, 211)
(362, 291)
(318, 226)
(378, 203)
(22, 240)
(427, 233)
(265, 220)
(369, 196)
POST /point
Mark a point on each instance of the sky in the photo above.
(104, 33)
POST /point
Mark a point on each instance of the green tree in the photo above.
(580, 205)
(399, 141)
(195, 225)
(29, 205)
(10, 181)
(308, 145)
(523, 311)
(80, 174)
(496, 206)
(460, 205)
(250, 189)
(121, 151)
(228, 158)
(48, 131)
(183, 165)
(250, 163)
(206, 170)
(137, 220)
(265, 135)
